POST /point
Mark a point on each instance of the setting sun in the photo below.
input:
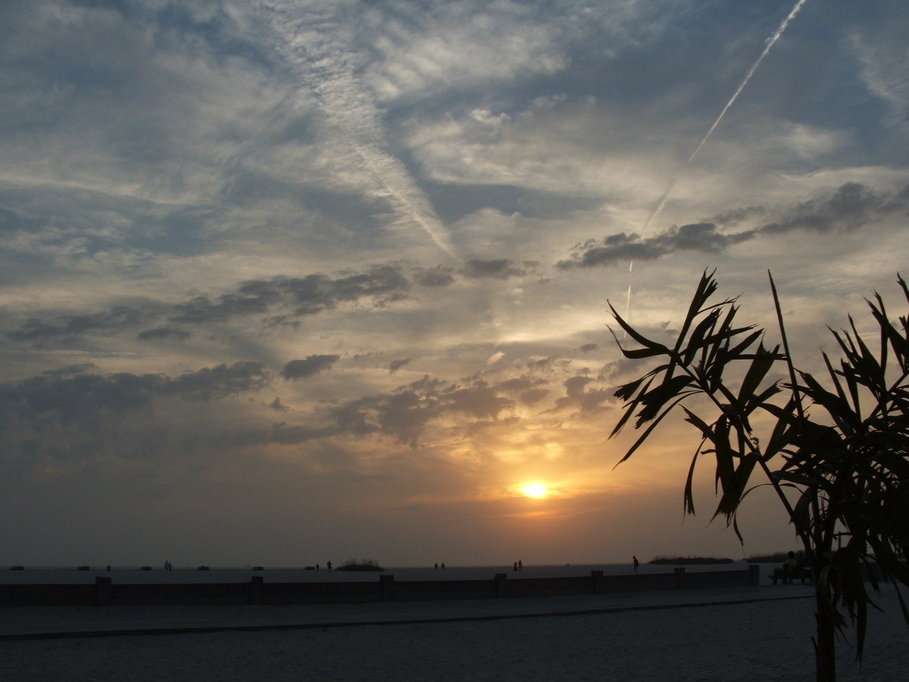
(536, 490)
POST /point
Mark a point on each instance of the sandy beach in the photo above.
(761, 633)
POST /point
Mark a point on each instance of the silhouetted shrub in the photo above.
(360, 565)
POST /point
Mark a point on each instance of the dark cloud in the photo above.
(849, 207)
(577, 396)
(85, 417)
(250, 298)
(502, 268)
(70, 329)
(404, 413)
(434, 277)
(310, 366)
(737, 215)
(85, 400)
(211, 383)
(82, 368)
(588, 347)
(301, 295)
(533, 396)
(163, 333)
(356, 417)
(278, 406)
(613, 249)
(529, 391)
(623, 247)
(395, 365)
(289, 435)
(541, 364)
(702, 237)
(480, 401)
(315, 293)
(304, 295)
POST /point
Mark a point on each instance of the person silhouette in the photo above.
(636, 564)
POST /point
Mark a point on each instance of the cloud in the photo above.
(315, 293)
(221, 381)
(450, 45)
(882, 70)
(163, 333)
(251, 298)
(624, 247)
(70, 328)
(278, 406)
(308, 367)
(403, 413)
(849, 207)
(75, 417)
(168, 91)
(71, 392)
(499, 268)
(440, 276)
(395, 365)
(86, 400)
(324, 64)
(533, 396)
(307, 295)
(577, 396)
(298, 296)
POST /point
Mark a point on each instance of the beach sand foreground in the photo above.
(713, 635)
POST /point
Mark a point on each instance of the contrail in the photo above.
(771, 41)
(314, 43)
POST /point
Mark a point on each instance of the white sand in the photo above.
(654, 639)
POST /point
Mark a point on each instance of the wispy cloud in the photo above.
(323, 57)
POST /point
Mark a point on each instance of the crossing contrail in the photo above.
(315, 44)
(771, 41)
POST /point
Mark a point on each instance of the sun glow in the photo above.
(535, 490)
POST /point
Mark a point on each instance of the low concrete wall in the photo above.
(105, 592)
(48, 595)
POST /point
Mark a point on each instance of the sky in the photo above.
(285, 281)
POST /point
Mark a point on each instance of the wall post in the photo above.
(755, 575)
(599, 585)
(255, 589)
(500, 584)
(102, 590)
(387, 587)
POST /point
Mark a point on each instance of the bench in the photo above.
(802, 573)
